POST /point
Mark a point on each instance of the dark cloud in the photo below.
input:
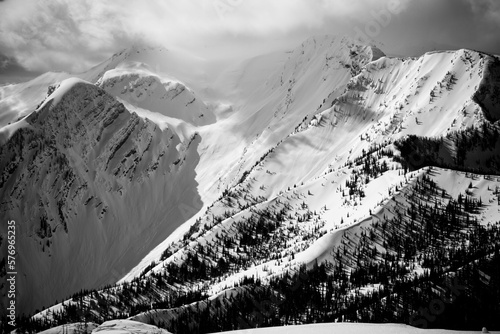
(459, 23)
(12, 72)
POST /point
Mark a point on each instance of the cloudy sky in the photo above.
(42, 35)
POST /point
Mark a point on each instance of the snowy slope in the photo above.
(306, 137)
(269, 111)
(305, 168)
(258, 116)
(389, 97)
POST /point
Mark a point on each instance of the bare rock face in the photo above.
(71, 181)
(488, 93)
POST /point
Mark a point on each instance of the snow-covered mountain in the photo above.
(204, 192)
(77, 178)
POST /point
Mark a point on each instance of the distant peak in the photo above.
(347, 41)
(138, 48)
(142, 46)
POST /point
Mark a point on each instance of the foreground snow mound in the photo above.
(74, 328)
(109, 327)
(349, 328)
(127, 327)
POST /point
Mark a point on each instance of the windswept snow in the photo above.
(63, 88)
(165, 97)
(7, 131)
(19, 100)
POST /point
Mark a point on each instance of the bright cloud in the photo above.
(74, 35)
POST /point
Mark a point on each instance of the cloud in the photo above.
(74, 35)
(58, 34)
(463, 23)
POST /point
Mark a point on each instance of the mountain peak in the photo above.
(56, 93)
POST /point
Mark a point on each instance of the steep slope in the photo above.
(175, 109)
(382, 104)
(385, 102)
(85, 181)
(374, 111)
(266, 106)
